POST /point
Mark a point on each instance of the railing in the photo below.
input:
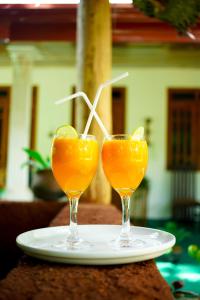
(183, 194)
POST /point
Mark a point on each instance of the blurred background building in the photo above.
(162, 93)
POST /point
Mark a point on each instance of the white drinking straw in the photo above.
(97, 96)
(82, 94)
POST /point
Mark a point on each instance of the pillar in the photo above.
(94, 45)
(19, 123)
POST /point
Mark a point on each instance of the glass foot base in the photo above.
(69, 244)
(78, 244)
(127, 242)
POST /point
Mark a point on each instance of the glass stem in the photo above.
(125, 216)
(73, 227)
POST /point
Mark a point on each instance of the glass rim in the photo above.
(121, 136)
(80, 135)
(92, 136)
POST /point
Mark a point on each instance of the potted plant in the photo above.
(42, 182)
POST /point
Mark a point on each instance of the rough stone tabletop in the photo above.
(38, 280)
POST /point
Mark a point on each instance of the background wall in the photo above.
(146, 97)
(53, 83)
(5, 75)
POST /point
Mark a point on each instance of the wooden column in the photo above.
(94, 46)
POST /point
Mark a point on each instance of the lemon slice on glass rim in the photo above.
(138, 134)
(66, 131)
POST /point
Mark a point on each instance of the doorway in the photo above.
(183, 147)
(118, 123)
(33, 127)
(118, 109)
(4, 121)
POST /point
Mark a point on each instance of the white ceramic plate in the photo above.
(47, 244)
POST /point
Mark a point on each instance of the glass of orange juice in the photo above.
(74, 163)
(125, 162)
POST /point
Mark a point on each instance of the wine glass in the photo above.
(125, 162)
(74, 163)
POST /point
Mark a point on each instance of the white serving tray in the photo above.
(47, 244)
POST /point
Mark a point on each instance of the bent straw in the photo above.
(97, 96)
(84, 96)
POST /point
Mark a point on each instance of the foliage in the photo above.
(180, 233)
(2, 190)
(144, 184)
(36, 160)
(182, 14)
(194, 252)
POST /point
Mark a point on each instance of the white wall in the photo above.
(146, 97)
(5, 75)
(54, 83)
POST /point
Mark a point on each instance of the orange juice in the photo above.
(74, 162)
(124, 163)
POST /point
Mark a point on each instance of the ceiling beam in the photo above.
(58, 23)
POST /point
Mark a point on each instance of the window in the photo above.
(183, 129)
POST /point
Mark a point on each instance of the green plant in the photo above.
(144, 184)
(180, 233)
(175, 252)
(194, 252)
(182, 14)
(36, 160)
(2, 190)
